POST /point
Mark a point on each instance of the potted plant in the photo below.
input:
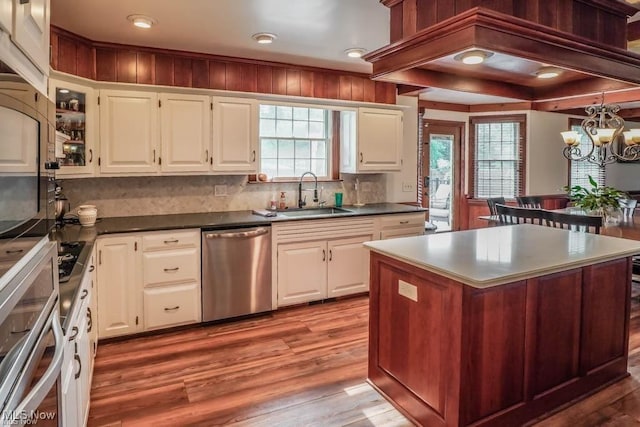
(597, 200)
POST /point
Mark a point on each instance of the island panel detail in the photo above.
(449, 354)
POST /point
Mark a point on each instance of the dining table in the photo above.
(627, 228)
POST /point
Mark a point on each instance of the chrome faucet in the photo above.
(301, 202)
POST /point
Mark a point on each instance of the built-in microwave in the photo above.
(27, 155)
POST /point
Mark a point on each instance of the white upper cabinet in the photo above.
(371, 140)
(6, 15)
(31, 30)
(235, 135)
(76, 125)
(185, 122)
(129, 132)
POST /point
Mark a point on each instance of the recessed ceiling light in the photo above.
(473, 57)
(142, 21)
(355, 52)
(63, 90)
(264, 38)
(548, 72)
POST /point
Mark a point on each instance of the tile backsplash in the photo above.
(152, 195)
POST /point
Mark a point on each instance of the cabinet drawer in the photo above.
(171, 305)
(170, 240)
(401, 232)
(395, 221)
(174, 266)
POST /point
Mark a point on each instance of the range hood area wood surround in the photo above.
(585, 38)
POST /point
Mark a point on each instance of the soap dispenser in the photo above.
(283, 200)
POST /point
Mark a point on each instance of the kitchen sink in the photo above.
(313, 212)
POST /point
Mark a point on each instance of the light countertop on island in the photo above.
(498, 255)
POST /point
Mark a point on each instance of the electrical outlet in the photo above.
(220, 190)
(408, 186)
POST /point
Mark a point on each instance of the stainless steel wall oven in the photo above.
(31, 341)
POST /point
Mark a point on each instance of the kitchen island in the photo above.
(497, 326)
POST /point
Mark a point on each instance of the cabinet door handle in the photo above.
(324, 255)
(254, 155)
(404, 222)
(89, 319)
(14, 251)
(154, 156)
(74, 331)
(92, 268)
(90, 155)
(330, 255)
(172, 308)
(84, 294)
(171, 270)
(24, 331)
(100, 257)
(206, 156)
(166, 242)
(77, 358)
(361, 159)
(24, 1)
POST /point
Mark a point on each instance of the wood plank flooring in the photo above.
(304, 366)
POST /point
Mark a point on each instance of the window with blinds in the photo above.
(497, 154)
(579, 171)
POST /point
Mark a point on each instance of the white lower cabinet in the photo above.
(119, 286)
(77, 368)
(148, 281)
(302, 272)
(321, 259)
(400, 225)
(171, 305)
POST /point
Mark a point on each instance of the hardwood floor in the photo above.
(304, 366)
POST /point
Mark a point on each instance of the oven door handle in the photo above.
(41, 389)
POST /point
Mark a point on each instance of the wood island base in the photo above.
(450, 354)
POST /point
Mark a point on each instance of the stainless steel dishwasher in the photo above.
(236, 272)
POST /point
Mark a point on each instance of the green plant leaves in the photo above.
(596, 197)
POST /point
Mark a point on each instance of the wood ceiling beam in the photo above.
(558, 105)
(507, 106)
(580, 87)
(424, 78)
(446, 106)
(409, 90)
(633, 31)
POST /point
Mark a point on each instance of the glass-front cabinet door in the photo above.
(75, 127)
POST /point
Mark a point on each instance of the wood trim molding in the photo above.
(110, 62)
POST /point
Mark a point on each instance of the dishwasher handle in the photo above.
(236, 234)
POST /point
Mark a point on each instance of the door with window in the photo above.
(441, 176)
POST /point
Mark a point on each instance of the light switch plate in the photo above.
(408, 187)
(220, 190)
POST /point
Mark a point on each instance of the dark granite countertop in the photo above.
(208, 221)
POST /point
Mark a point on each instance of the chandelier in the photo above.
(604, 127)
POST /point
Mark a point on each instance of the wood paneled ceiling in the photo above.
(519, 49)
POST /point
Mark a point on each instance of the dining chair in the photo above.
(574, 222)
(515, 215)
(627, 206)
(492, 202)
(531, 202)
